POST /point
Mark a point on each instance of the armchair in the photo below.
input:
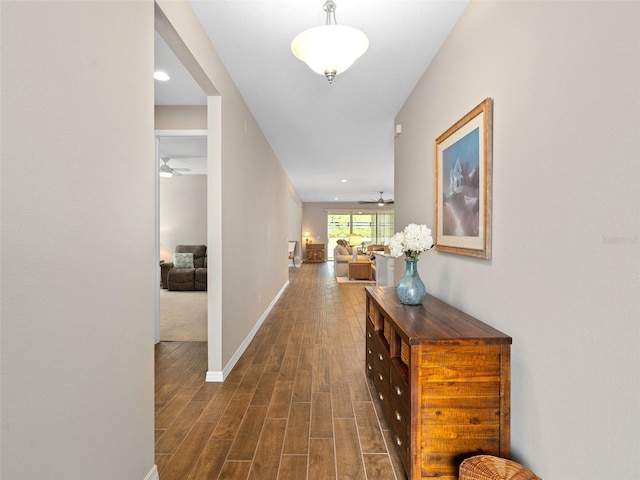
(342, 255)
(188, 271)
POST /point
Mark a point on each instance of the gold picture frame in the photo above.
(463, 184)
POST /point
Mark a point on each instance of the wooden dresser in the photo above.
(315, 252)
(443, 379)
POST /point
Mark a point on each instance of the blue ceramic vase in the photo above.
(411, 290)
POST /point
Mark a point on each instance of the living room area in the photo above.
(183, 236)
(352, 237)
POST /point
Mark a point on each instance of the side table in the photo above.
(315, 252)
(360, 270)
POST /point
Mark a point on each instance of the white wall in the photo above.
(78, 258)
(564, 277)
(183, 213)
(248, 206)
(180, 117)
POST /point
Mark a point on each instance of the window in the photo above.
(373, 227)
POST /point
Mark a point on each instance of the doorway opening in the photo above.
(182, 226)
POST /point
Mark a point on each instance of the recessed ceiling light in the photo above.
(162, 76)
(336, 198)
(344, 180)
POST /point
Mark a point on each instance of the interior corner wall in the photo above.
(314, 222)
(563, 278)
(181, 117)
(183, 213)
(77, 278)
(248, 204)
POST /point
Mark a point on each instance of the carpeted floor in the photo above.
(183, 316)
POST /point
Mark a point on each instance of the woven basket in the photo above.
(488, 467)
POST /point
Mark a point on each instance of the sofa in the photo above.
(188, 271)
(343, 254)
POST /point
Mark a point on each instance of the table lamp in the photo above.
(354, 242)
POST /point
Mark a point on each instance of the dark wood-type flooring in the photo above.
(296, 406)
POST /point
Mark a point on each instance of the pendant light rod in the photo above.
(330, 7)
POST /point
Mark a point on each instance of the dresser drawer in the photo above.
(380, 380)
(399, 388)
(400, 426)
(380, 372)
(381, 354)
(370, 348)
(400, 420)
(382, 391)
(381, 360)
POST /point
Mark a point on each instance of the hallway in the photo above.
(296, 406)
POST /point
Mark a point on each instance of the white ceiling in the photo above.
(321, 133)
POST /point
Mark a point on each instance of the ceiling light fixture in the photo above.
(162, 76)
(331, 48)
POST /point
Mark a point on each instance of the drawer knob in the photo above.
(380, 356)
(398, 391)
(398, 441)
(369, 351)
(380, 396)
(381, 376)
(398, 416)
(369, 334)
(368, 366)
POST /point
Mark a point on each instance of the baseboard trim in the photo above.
(216, 376)
(153, 474)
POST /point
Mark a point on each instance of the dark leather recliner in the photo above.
(186, 278)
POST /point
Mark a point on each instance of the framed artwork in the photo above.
(463, 184)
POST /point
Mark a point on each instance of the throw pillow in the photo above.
(342, 250)
(183, 260)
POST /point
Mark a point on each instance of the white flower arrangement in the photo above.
(412, 241)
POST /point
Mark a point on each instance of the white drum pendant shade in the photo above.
(330, 49)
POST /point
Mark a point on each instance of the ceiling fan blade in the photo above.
(381, 201)
(181, 169)
(184, 158)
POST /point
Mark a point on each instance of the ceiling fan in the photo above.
(166, 171)
(381, 202)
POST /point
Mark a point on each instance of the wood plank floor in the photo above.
(296, 406)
